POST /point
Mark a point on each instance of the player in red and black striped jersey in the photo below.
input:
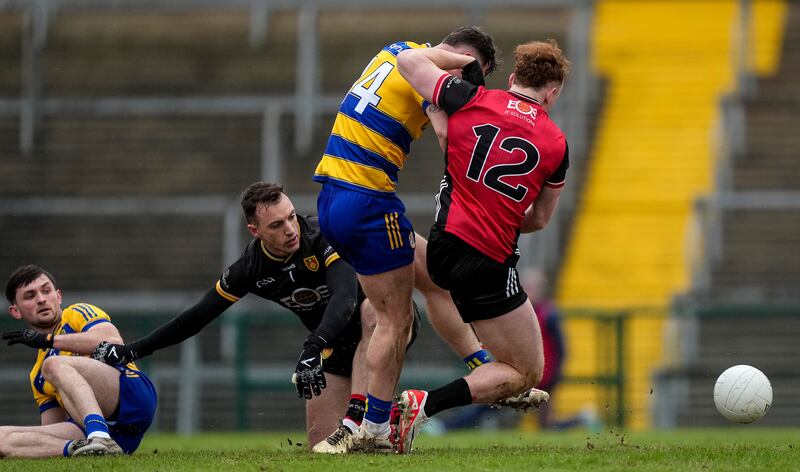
(513, 151)
(289, 262)
(506, 164)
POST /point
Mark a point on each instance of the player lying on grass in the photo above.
(289, 262)
(86, 406)
(506, 164)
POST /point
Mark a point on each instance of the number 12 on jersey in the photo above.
(487, 134)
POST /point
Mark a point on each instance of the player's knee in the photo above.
(52, 367)
(402, 328)
(397, 320)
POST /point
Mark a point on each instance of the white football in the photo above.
(743, 394)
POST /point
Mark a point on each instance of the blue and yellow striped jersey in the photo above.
(76, 318)
(377, 121)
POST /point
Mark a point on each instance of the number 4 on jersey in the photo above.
(366, 89)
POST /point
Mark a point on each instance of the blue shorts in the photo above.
(137, 407)
(370, 232)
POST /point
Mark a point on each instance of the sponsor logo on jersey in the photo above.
(312, 263)
(224, 280)
(306, 298)
(523, 107)
(264, 282)
(522, 110)
(289, 267)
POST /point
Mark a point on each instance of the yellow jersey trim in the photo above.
(331, 259)
(225, 295)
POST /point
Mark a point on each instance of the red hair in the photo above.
(540, 62)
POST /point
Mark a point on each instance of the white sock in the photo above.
(379, 430)
(350, 424)
(98, 434)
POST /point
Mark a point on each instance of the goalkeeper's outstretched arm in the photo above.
(190, 322)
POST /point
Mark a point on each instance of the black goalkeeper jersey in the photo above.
(297, 282)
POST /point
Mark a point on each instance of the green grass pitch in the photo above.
(735, 449)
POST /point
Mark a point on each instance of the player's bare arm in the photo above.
(423, 68)
(84, 343)
(79, 343)
(438, 119)
(539, 213)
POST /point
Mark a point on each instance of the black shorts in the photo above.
(481, 287)
(337, 358)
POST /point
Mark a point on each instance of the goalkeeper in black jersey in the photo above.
(290, 263)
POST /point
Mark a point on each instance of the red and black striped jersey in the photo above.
(502, 149)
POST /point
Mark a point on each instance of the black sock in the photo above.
(454, 394)
(355, 410)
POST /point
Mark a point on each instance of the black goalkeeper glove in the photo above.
(473, 74)
(30, 338)
(308, 376)
(114, 354)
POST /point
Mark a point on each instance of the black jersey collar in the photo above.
(524, 97)
(271, 256)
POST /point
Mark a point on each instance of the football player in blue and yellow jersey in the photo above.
(86, 406)
(372, 134)
(362, 217)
